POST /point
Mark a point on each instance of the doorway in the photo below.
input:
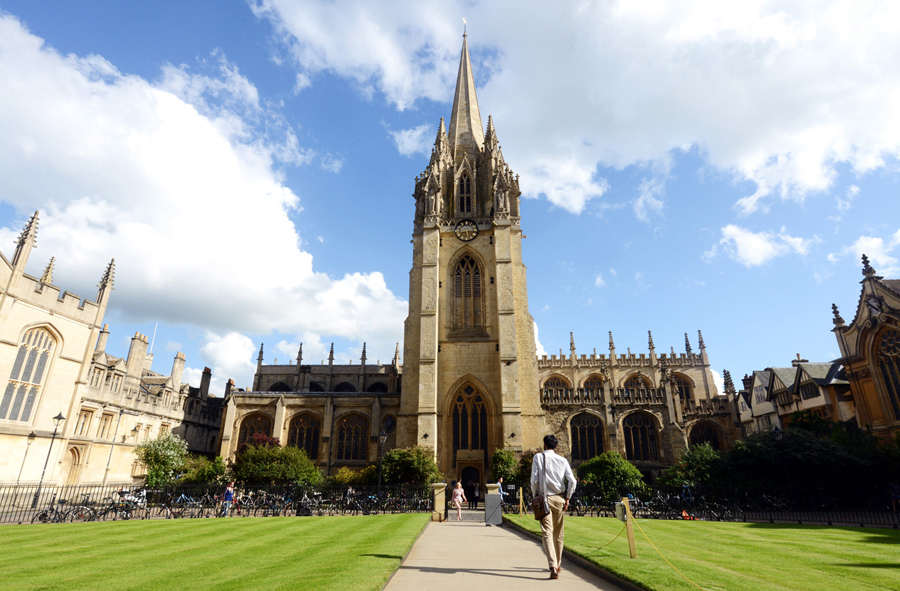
(470, 476)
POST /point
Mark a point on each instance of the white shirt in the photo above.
(557, 474)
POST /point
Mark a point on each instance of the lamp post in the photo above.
(382, 438)
(57, 420)
(31, 437)
(112, 446)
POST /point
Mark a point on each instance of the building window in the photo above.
(377, 387)
(743, 405)
(316, 387)
(117, 381)
(467, 294)
(84, 422)
(147, 432)
(98, 377)
(809, 390)
(163, 429)
(345, 387)
(641, 442)
(888, 367)
(465, 194)
(252, 425)
(279, 387)
(304, 433)
(683, 387)
(353, 437)
(587, 437)
(27, 375)
(766, 420)
(555, 390)
(705, 433)
(593, 390)
(470, 421)
(105, 425)
(634, 384)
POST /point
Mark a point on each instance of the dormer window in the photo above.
(464, 194)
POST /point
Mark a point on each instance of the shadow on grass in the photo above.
(875, 535)
(868, 565)
(389, 556)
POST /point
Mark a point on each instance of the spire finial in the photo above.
(397, 353)
(729, 384)
(331, 354)
(109, 276)
(687, 344)
(465, 25)
(363, 357)
(700, 340)
(672, 349)
(47, 277)
(259, 359)
(867, 271)
(650, 337)
(29, 232)
(838, 321)
(300, 354)
(612, 345)
(466, 130)
(572, 341)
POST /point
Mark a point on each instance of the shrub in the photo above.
(163, 457)
(348, 477)
(700, 466)
(504, 465)
(413, 465)
(202, 470)
(524, 475)
(262, 464)
(611, 476)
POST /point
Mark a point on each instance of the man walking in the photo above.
(552, 476)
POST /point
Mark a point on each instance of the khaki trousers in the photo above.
(553, 530)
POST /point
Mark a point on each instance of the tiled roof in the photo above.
(785, 374)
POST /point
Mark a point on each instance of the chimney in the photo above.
(101, 340)
(798, 361)
(204, 382)
(229, 386)
(177, 371)
(137, 353)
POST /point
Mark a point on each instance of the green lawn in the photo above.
(739, 556)
(352, 553)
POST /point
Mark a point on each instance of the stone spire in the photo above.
(362, 359)
(331, 355)
(701, 344)
(729, 383)
(47, 277)
(396, 360)
(838, 321)
(650, 337)
(466, 131)
(672, 349)
(107, 282)
(25, 242)
(300, 354)
(612, 345)
(687, 344)
(868, 272)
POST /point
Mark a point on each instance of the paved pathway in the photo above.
(465, 556)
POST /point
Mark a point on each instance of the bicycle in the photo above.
(114, 511)
(82, 512)
(51, 514)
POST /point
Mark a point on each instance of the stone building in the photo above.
(870, 352)
(53, 348)
(471, 381)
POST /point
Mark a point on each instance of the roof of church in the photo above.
(466, 129)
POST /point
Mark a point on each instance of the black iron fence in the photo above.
(33, 504)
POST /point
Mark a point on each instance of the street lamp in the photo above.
(57, 421)
(382, 438)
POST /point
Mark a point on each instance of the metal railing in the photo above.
(33, 504)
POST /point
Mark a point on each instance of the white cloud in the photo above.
(650, 199)
(178, 181)
(228, 356)
(331, 164)
(598, 281)
(877, 249)
(752, 249)
(417, 140)
(719, 381)
(844, 203)
(612, 272)
(777, 94)
(539, 348)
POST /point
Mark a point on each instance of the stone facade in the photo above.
(53, 350)
(471, 380)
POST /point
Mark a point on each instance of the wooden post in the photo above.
(629, 528)
(520, 502)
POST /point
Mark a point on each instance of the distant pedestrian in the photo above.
(552, 476)
(501, 491)
(458, 498)
(227, 499)
(473, 502)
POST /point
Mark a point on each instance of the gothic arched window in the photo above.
(304, 433)
(27, 376)
(467, 294)
(587, 437)
(593, 390)
(635, 383)
(377, 387)
(465, 193)
(353, 437)
(555, 389)
(888, 357)
(641, 441)
(253, 424)
(279, 387)
(316, 387)
(345, 387)
(470, 421)
(705, 433)
(683, 386)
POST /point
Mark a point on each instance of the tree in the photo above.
(504, 465)
(164, 457)
(700, 466)
(262, 464)
(525, 462)
(348, 477)
(201, 470)
(413, 465)
(612, 476)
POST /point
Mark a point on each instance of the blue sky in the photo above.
(691, 165)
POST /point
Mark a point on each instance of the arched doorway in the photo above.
(68, 472)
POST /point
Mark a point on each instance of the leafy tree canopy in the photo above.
(504, 465)
(164, 457)
(201, 470)
(413, 465)
(264, 463)
(612, 476)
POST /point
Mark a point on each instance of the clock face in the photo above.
(466, 230)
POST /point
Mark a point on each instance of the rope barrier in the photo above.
(612, 540)
(630, 516)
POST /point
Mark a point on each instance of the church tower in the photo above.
(470, 382)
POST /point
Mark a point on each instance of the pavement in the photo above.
(471, 556)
